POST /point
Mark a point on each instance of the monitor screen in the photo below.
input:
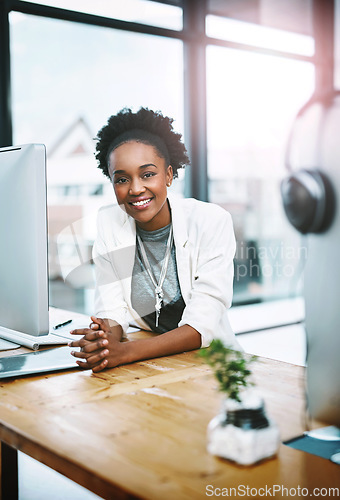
(23, 249)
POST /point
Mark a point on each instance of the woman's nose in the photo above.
(136, 186)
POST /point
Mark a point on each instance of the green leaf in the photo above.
(230, 367)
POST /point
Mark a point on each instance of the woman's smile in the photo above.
(141, 203)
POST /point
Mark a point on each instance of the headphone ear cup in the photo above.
(308, 200)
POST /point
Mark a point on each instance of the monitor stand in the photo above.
(330, 433)
(323, 442)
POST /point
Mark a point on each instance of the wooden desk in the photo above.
(139, 431)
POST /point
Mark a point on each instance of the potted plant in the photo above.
(241, 432)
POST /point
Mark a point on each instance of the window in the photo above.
(67, 79)
(252, 100)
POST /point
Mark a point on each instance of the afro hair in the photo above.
(146, 126)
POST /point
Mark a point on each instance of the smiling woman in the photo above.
(162, 264)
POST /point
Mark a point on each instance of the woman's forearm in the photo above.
(183, 338)
(102, 346)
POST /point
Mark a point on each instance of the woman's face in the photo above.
(140, 178)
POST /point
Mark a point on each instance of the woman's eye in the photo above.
(149, 174)
(120, 180)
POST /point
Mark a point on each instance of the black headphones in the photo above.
(308, 196)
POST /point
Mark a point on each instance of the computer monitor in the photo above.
(23, 249)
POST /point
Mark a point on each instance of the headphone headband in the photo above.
(326, 99)
(308, 196)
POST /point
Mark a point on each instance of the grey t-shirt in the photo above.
(142, 289)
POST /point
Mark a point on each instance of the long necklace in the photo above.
(159, 295)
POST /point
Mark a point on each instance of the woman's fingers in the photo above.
(82, 365)
(100, 367)
(96, 325)
(97, 368)
(88, 350)
(94, 345)
(92, 357)
(94, 361)
(81, 331)
(99, 323)
(89, 337)
(97, 358)
(89, 347)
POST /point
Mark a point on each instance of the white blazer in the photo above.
(205, 248)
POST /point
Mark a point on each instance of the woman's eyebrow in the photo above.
(148, 165)
(141, 167)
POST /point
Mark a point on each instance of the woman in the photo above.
(163, 265)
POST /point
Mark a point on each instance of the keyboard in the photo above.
(57, 337)
(60, 336)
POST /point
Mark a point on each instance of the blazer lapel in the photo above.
(124, 255)
(180, 229)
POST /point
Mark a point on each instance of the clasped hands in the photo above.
(100, 348)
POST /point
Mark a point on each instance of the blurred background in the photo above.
(232, 74)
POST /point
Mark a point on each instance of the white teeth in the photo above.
(140, 203)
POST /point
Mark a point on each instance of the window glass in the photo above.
(289, 15)
(252, 34)
(67, 79)
(252, 100)
(141, 11)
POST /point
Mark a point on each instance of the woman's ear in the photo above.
(169, 176)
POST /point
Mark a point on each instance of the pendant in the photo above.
(159, 302)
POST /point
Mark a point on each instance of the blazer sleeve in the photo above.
(212, 282)
(109, 298)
